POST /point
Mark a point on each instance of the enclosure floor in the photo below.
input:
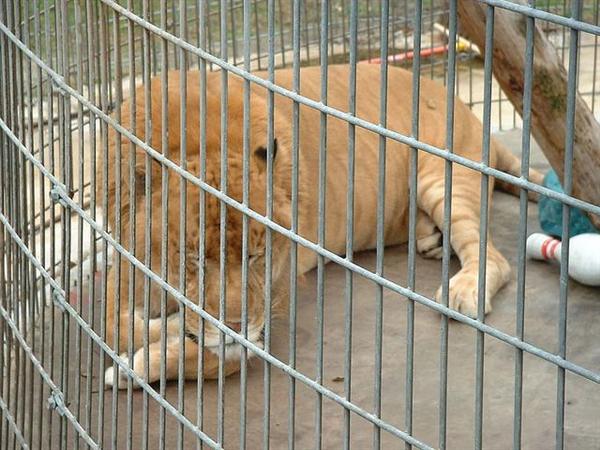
(582, 418)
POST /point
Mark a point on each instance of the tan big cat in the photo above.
(202, 267)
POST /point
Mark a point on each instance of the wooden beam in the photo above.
(549, 99)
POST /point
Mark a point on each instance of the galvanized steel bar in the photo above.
(349, 297)
(447, 227)
(521, 246)
(321, 214)
(572, 23)
(268, 233)
(147, 67)
(380, 223)
(164, 217)
(81, 167)
(202, 41)
(117, 262)
(245, 228)
(131, 292)
(104, 102)
(224, 111)
(182, 58)
(483, 227)
(91, 41)
(412, 219)
(567, 183)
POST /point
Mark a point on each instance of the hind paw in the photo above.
(431, 246)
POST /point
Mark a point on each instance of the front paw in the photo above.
(463, 294)
(112, 376)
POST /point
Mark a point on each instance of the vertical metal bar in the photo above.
(132, 218)
(296, 21)
(3, 183)
(245, 225)
(164, 271)
(281, 33)
(182, 214)
(369, 29)
(269, 210)
(42, 214)
(19, 216)
(4, 202)
(432, 7)
(147, 67)
(350, 219)
(18, 262)
(521, 246)
(6, 366)
(202, 217)
(380, 240)
(81, 144)
(52, 262)
(412, 213)
(223, 226)
(483, 228)
(321, 215)
(35, 291)
(117, 260)
(595, 70)
(231, 11)
(306, 32)
(66, 150)
(566, 215)
(446, 231)
(104, 80)
(104, 101)
(19, 281)
(257, 35)
(91, 41)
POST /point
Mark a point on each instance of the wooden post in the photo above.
(549, 99)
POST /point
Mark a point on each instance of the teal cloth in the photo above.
(550, 212)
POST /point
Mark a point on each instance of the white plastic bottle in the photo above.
(584, 254)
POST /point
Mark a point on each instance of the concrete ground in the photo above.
(582, 414)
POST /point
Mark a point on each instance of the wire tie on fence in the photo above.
(57, 85)
(57, 194)
(56, 402)
(58, 299)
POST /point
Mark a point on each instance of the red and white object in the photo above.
(584, 254)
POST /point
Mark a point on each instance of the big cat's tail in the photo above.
(507, 162)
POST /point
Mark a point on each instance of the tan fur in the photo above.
(430, 198)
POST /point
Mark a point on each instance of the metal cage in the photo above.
(363, 357)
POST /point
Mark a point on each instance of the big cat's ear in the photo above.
(261, 152)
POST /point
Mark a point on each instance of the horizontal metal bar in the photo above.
(509, 339)
(544, 15)
(11, 421)
(520, 182)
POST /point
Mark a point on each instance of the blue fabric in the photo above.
(550, 212)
